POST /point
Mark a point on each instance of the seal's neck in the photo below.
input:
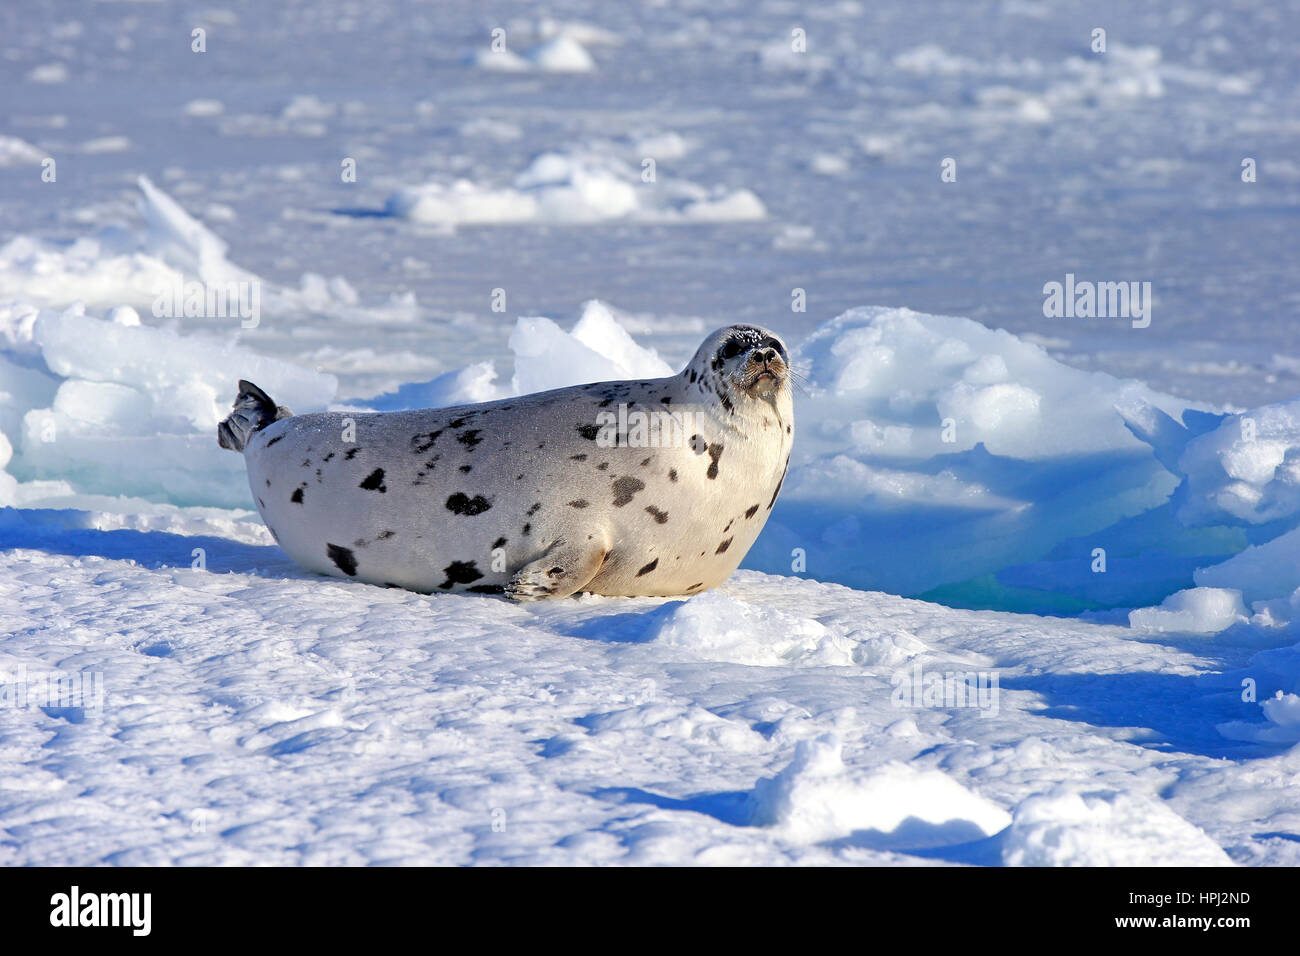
(712, 388)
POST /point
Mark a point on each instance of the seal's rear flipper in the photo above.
(254, 410)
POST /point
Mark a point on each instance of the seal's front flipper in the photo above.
(563, 570)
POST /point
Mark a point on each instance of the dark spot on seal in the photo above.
(527, 528)
(462, 504)
(261, 503)
(602, 466)
(698, 444)
(694, 586)
(577, 458)
(296, 497)
(648, 568)
(779, 484)
(456, 423)
(519, 477)
(672, 474)
(352, 453)
(729, 524)
(466, 469)
(274, 440)
(534, 509)
(715, 452)
(625, 490)
(268, 482)
(724, 546)
(460, 572)
(579, 503)
(660, 516)
(422, 442)
(343, 559)
(604, 403)
(487, 589)
(751, 511)
(385, 535)
(375, 482)
(589, 432)
(667, 399)
(470, 438)
(694, 376)
(328, 457)
(498, 543)
(644, 462)
(306, 463)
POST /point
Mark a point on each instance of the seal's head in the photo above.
(742, 361)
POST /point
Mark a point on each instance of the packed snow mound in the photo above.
(816, 798)
(716, 627)
(1112, 828)
(573, 188)
(1194, 611)
(1282, 711)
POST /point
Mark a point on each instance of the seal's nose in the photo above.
(766, 356)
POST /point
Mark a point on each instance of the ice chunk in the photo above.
(967, 449)
(17, 152)
(573, 187)
(1261, 572)
(562, 54)
(136, 410)
(597, 350)
(466, 386)
(182, 240)
(189, 376)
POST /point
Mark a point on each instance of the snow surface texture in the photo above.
(239, 710)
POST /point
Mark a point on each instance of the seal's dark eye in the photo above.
(731, 349)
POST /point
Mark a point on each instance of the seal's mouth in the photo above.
(764, 372)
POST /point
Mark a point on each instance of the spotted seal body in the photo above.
(631, 488)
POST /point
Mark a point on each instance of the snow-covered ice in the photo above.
(1030, 595)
